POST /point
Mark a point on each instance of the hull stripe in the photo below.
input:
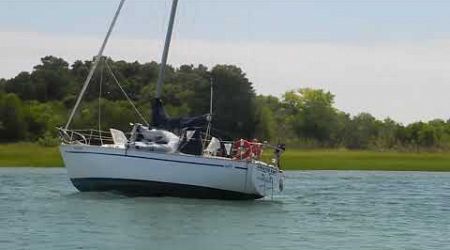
(156, 188)
(151, 158)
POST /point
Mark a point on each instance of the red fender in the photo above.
(243, 149)
(256, 150)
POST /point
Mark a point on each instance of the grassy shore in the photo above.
(29, 155)
(364, 160)
(32, 155)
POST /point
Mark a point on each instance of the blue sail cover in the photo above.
(160, 119)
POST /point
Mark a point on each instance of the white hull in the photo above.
(96, 168)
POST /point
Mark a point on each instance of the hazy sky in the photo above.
(389, 58)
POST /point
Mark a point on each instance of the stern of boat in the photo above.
(265, 180)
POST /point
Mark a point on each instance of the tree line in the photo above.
(33, 104)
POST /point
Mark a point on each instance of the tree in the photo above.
(362, 131)
(312, 115)
(435, 134)
(427, 136)
(40, 100)
(387, 134)
(12, 123)
(43, 118)
(113, 114)
(265, 122)
(51, 78)
(2, 85)
(195, 91)
(22, 86)
(233, 102)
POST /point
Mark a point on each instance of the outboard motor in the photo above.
(279, 150)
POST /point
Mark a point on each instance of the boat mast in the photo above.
(209, 117)
(94, 65)
(162, 68)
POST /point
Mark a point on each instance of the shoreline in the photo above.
(32, 155)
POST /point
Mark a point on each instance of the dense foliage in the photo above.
(33, 104)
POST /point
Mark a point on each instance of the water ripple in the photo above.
(39, 209)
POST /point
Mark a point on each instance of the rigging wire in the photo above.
(125, 94)
(94, 65)
(99, 99)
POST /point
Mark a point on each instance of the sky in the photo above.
(388, 58)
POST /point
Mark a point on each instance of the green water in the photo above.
(39, 209)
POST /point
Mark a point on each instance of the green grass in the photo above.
(32, 155)
(29, 155)
(364, 160)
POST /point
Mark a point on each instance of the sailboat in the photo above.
(154, 161)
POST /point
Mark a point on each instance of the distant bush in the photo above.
(33, 103)
(48, 140)
(13, 126)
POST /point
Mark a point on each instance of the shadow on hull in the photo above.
(154, 188)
